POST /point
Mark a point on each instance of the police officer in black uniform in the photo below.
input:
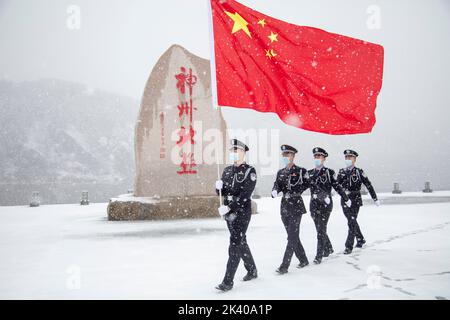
(322, 180)
(291, 181)
(351, 178)
(236, 186)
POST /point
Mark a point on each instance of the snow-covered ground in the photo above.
(71, 251)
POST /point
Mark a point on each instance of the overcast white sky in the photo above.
(120, 41)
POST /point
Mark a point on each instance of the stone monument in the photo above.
(179, 136)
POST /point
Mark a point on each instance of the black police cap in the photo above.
(235, 143)
(349, 152)
(288, 148)
(320, 151)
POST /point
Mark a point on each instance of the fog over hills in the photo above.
(59, 138)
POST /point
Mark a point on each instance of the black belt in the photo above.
(234, 198)
(291, 195)
(355, 193)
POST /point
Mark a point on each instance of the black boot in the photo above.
(303, 264)
(224, 287)
(281, 270)
(360, 243)
(348, 250)
(327, 253)
(250, 276)
(318, 260)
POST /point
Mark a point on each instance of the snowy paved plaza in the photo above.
(71, 252)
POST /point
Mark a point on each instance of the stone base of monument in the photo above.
(128, 208)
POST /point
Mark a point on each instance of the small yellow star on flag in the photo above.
(273, 36)
(262, 22)
(270, 53)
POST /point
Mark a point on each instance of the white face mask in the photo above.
(317, 162)
(233, 156)
(348, 163)
(285, 161)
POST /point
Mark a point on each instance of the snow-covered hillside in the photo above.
(71, 252)
(59, 138)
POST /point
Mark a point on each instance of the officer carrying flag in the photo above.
(236, 186)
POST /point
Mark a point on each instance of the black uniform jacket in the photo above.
(292, 182)
(322, 181)
(238, 185)
(351, 180)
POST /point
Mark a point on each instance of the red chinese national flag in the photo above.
(312, 79)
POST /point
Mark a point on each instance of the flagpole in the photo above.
(213, 83)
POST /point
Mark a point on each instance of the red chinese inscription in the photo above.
(186, 133)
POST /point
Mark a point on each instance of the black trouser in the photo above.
(320, 214)
(292, 224)
(238, 245)
(353, 227)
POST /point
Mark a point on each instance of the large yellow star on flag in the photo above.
(239, 23)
